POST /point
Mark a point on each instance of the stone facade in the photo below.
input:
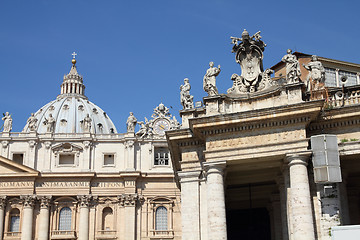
(82, 179)
(244, 162)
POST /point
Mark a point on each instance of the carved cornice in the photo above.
(28, 200)
(84, 200)
(3, 202)
(319, 126)
(191, 143)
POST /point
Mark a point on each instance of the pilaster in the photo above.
(190, 211)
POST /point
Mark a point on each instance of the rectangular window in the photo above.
(161, 157)
(18, 158)
(66, 159)
(330, 77)
(351, 78)
(109, 159)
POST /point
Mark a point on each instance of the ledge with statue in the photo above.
(253, 89)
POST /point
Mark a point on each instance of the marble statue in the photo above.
(316, 74)
(32, 120)
(209, 82)
(50, 123)
(249, 54)
(292, 67)
(7, 122)
(187, 101)
(131, 123)
(144, 128)
(86, 123)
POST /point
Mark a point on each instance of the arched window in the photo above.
(107, 218)
(14, 220)
(161, 221)
(65, 219)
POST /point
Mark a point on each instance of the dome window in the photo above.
(51, 108)
(95, 111)
(100, 126)
(66, 107)
(81, 108)
(63, 122)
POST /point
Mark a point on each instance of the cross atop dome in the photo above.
(73, 59)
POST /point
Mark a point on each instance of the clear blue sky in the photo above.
(135, 54)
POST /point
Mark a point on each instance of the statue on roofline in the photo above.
(292, 67)
(209, 82)
(7, 122)
(187, 100)
(316, 76)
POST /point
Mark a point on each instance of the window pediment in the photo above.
(67, 148)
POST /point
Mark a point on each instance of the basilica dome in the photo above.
(71, 111)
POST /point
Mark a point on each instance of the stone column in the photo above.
(84, 202)
(216, 200)
(301, 218)
(44, 218)
(2, 214)
(27, 217)
(190, 212)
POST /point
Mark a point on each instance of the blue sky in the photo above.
(135, 54)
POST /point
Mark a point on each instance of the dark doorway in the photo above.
(248, 224)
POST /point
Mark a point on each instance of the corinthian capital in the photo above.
(129, 199)
(2, 202)
(44, 201)
(84, 200)
(28, 200)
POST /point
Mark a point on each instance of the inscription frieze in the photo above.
(16, 184)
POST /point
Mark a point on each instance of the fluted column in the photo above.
(44, 218)
(190, 207)
(301, 218)
(2, 214)
(216, 201)
(84, 202)
(27, 217)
